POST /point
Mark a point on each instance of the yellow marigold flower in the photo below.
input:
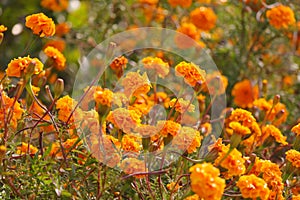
(294, 157)
(58, 58)
(158, 65)
(23, 149)
(40, 24)
(193, 197)
(19, 66)
(2, 28)
(55, 5)
(106, 149)
(65, 105)
(234, 162)
(189, 30)
(204, 18)
(262, 104)
(296, 129)
(253, 187)
(62, 29)
(146, 130)
(182, 3)
(135, 84)
(168, 128)
(90, 122)
(8, 105)
(124, 119)
(182, 105)
(205, 181)
(131, 144)
(103, 97)
(271, 174)
(274, 132)
(238, 128)
(133, 165)
(173, 186)
(60, 45)
(188, 139)
(244, 93)
(191, 73)
(281, 16)
(216, 83)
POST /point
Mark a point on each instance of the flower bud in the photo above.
(58, 87)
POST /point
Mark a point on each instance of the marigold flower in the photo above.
(253, 187)
(238, 128)
(8, 105)
(182, 3)
(135, 84)
(244, 93)
(90, 122)
(216, 83)
(19, 66)
(189, 30)
(294, 157)
(55, 5)
(156, 64)
(188, 139)
(182, 105)
(60, 45)
(281, 16)
(146, 130)
(119, 99)
(168, 128)
(193, 197)
(62, 29)
(150, 2)
(40, 24)
(274, 132)
(204, 18)
(131, 144)
(126, 120)
(296, 129)
(296, 197)
(205, 181)
(233, 162)
(118, 65)
(65, 105)
(58, 58)
(103, 97)
(206, 128)
(23, 149)
(262, 104)
(2, 28)
(133, 165)
(191, 73)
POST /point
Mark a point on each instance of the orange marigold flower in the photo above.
(204, 18)
(271, 130)
(191, 73)
(189, 30)
(216, 83)
(193, 197)
(103, 97)
(8, 105)
(135, 84)
(60, 45)
(188, 139)
(182, 3)
(205, 128)
(131, 144)
(281, 16)
(118, 65)
(294, 157)
(157, 65)
(262, 104)
(253, 187)
(40, 24)
(150, 2)
(238, 128)
(205, 181)
(126, 120)
(133, 165)
(23, 149)
(244, 93)
(243, 116)
(182, 105)
(233, 162)
(62, 29)
(55, 5)
(168, 128)
(58, 58)
(65, 105)
(146, 130)
(296, 197)
(296, 129)
(19, 66)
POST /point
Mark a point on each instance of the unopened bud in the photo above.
(264, 87)
(276, 99)
(58, 87)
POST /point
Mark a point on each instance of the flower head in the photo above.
(182, 3)
(191, 73)
(182, 105)
(271, 130)
(23, 149)
(296, 129)
(58, 58)
(135, 84)
(281, 16)
(103, 97)
(190, 30)
(253, 187)
(294, 157)
(19, 66)
(205, 181)
(204, 18)
(244, 93)
(65, 105)
(55, 5)
(133, 165)
(168, 128)
(158, 65)
(40, 24)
